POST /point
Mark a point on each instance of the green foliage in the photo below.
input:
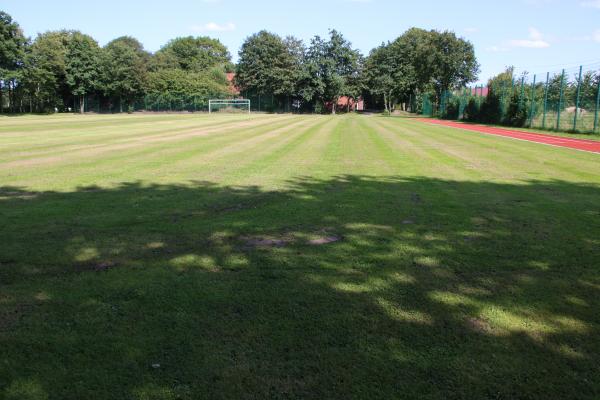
(45, 69)
(420, 61)
(452, 107)
(82, 64)
(451, 61)
(194, 54)
(269, 65)
(471, 112)
(381, 76)
(169, 85)
(494, 106)
(12, 44)
(516, 114)
(124, 69)
(12, 54)
(336, 66)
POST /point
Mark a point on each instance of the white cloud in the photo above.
(497, 49)
(471, 30)
(596, 36)
(591, 3)
(214, 27)
(535, 41)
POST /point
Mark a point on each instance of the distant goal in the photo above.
(229, 106)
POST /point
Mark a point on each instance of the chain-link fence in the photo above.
(181, 103)
(151, 102)
(270, 103)
(565, 100)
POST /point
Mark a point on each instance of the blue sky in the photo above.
(532, 35)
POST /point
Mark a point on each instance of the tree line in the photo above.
(58, 70)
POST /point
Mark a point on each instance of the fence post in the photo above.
(522, 95)
(597, 106)
(502, 102)
(560, 98)
(577, 98)
(545, 100)
(532, 108)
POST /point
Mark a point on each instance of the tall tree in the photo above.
(453, 61)
(12, 53)
(269, 64)
(379, 74)
(336, 64)
(83, 66)
(45, 70)
(124, 70)
(419, 61)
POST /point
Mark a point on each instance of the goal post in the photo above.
(226, 105)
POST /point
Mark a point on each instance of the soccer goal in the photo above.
(234, 106)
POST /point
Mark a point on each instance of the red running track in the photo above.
(578, 144)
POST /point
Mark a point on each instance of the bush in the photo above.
(491, 109)
(516, 114)
(472, 110)
(452, 108)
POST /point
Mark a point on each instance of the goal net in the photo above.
(230, 106)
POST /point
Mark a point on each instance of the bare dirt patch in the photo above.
(325, 240)
(266, 242)
(478, 325)
(98, 266)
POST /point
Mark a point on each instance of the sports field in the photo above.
(294, 257)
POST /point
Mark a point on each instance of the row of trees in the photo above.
(285, 67)
(60, 69)
(419, 61)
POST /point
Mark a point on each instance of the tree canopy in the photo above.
(124, 70)
(83, 65)
(420, 61)
(194, 54)
(61, 69)
(269, 64)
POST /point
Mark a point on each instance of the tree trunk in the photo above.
(10, 97)
(81, 104)
(333, 105)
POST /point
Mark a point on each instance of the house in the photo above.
(346, 103)
(232, 88)
(480, 91)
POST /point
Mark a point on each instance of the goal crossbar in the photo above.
(224, 102)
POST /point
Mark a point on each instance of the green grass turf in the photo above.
(182, 257)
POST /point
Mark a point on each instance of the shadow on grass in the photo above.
(353, 287)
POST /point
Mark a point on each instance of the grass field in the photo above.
(294, 257)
